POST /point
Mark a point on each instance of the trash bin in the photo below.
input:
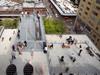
(11, 70)
(28, 69)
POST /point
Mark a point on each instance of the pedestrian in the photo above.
(69, 40)
(18, 35)
(51, 46)
(62, 59)
(63, 45)
(38, 15)
(20, 19)
(2, 38)
(13, 53)
(80, 52)
(60, 35)
(13, 47)
(71, 74)
(9, 38)
(66, 69)
(13, 32)
(61, 73)
(74, 59)
(22, 14)
(18, 31)
(80, 46)
(25, 43)
(45, 50)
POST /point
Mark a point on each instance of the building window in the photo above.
(93, 18)
(86, 13)
(94, 36)
(88, 28)
(98, 1)
(84, 0)
(87, 8)
(81, 9)
(90, 23)
(98, 40)
(98, 23)
(97, 28)
(95, 13)
(97, 7)
(79, 13)
(89, 3)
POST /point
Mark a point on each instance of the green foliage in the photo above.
(9, 23)
(53, 26)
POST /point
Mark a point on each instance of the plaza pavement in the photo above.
(84, 65)
(5, 49)
(27, 32)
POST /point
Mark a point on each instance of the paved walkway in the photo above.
(84, 64)
(5, 49)
(28, 32)
(32, 54)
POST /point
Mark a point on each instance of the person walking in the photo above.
(20, 19)
(13, 53)
(2, 38)
(25, 43)
(13, 47)
(80, 52)
(9, 38)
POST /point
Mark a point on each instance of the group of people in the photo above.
(50, 45)
(71, 40)
(18, 34)
(64, 45)
(19, 47)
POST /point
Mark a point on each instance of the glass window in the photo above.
(98, 1)
(98, 40)
(89, 3)
(87, 8)
(97, 28)
(98, 23)
(84, 0)
(95, 13)
(86, 13)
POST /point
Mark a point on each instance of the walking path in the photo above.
(84, 64)
(5, 49)
(32, 53)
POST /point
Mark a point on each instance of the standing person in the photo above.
(2, 38)
(51, 46)
(80, 46)
(18, 31)
(62, 59)
(61, 73)
(38, 15)
(22, 13)
(20, 19)
(45, 49)
(60, 35)
(25, 43)
(13, 53)
(80, 52)
(9, 38)
(18, 35)
(13, 32)
(13, 47)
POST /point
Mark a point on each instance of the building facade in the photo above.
(88, 20)
(18, 1)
